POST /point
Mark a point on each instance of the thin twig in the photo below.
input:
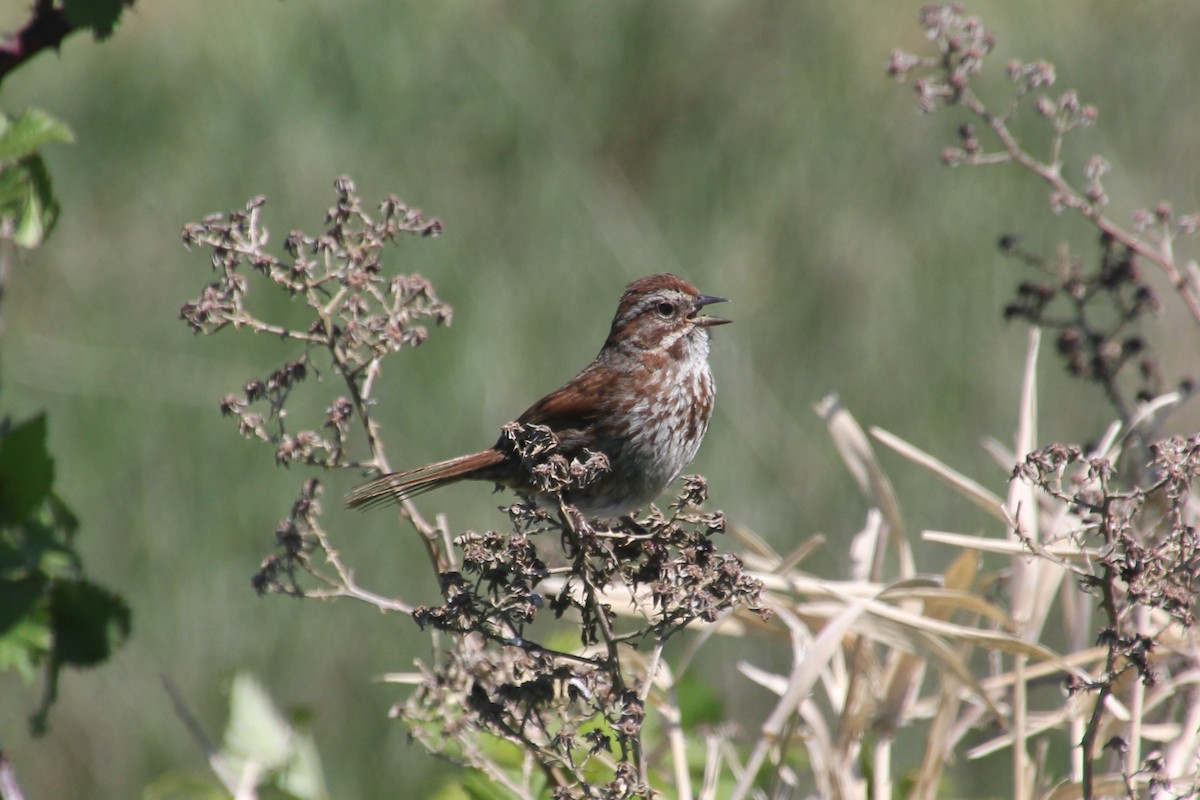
(1051, 173)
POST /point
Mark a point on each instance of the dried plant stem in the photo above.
(1088, 744)
(1065, 193)
(476, 757)
(9, 788)
(713, 746)
(667, 705)
(881, 764)
(598, 612)
(1020, 722)
(244, 320)
(345, 585)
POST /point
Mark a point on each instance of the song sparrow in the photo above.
(644, 402)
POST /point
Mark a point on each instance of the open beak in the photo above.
(705, 321)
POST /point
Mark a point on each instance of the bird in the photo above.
(645, 402)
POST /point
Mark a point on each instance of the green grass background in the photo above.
(756, 148)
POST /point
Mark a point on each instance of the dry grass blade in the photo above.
(664, 700)
(1028, 587)
(807, 664)
(931, 640)
(867, 548)
(1148, 411)
(1108, 441)
(1063, 549)
(753, 542)
(828, 772)
(800, 584)
(855, 449)
(772, 682)
(1038, 723)
(403, 678)
(1076, 663)
(992, 640)
(1001, 454)
(1183, 754)
(941, 603)
(939, 742)
(800, 552)
(712, 766)
(973, 491)
(1027, 414)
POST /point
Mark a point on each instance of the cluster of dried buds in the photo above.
(358, 314)
(1095, 312)
(1148, 549)
(570, 705)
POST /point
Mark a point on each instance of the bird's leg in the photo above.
(578, 522)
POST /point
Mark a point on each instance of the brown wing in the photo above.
(572, 411)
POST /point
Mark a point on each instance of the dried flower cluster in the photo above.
(296, 537)
(579, 711)
(1096, 313)
(1148, 551)
(1146, 576)
(358, 313)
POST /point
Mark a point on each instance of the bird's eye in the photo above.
(666, 309)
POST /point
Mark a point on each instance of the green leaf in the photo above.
(89, 622)
(25, 632)
(99, 15)
(19, 599)
(27, 199)
(32, 129)
(259, 733)
(63, 517)
(451, 789)
(478, 786)
(26, 195)
(303, 778)
(256, 731)
(502, 751)
(26, 470)
(34, 547)
(177, 786)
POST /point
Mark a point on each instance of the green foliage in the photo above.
(28, 208)
(260, 746)
(29, 131)
(50, 615)
(477, 786)
(259, 734)
(184, 787)
(99, 15)
(89, 622)
(26, 470)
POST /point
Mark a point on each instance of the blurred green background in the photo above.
(757, 149)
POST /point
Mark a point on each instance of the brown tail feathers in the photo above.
(397, 486)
